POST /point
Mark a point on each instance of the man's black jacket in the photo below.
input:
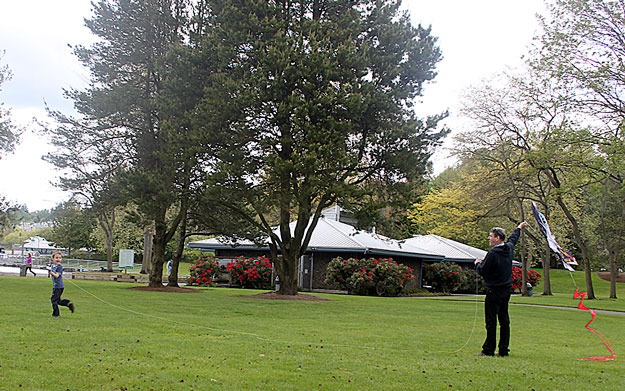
(496, 268)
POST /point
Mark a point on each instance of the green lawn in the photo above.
(124, 339)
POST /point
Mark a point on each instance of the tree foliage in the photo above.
(582, 47)
(553, 135)
(10, 215)
(582, 50)
(448, 212)
(9, 136)
(9, 133)
(315, 107)
(72, 227)
(274, 110)
(129, 137)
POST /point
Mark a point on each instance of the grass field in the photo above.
(217, 339)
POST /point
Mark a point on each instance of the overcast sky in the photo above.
(478, 38)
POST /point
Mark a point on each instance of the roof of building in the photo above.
(450, 249)
(334, 236)
(37, 242)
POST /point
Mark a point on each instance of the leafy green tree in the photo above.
(10, 215)
(72, 227)
(9, 133)
(38, 216)
(127, 232)
(314, 103)
(581, 49)
(611, 228)
(9, 136)
(448, 212)
(527, 134)
(90, 170)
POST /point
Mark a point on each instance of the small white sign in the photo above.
(126, 259)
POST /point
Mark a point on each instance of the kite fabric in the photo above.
(565, 257)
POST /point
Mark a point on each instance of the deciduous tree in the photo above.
(72, 227)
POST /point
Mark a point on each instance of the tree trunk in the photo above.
(148, 240)
(172, 280)
(546, 268)
(590, 292)
(109, 252)
(107, 227)
(286, 268)
(613, 275)
(588, 273)
(158, 257)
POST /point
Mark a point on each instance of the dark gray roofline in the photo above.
(324, 250)
(227, 247)
(459, 260)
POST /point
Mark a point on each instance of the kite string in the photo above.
(257, 336)
(572, 278)
(476, 301)
(474, 318)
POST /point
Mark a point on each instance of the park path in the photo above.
(588, 303)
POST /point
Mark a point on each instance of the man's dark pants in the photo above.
(56, 301)
(496, 308)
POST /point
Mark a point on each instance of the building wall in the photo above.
(322, 259)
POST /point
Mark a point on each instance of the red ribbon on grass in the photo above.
(593, 314)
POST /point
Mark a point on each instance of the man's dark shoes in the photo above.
(485, 354)
(71, 307)
(502, 354)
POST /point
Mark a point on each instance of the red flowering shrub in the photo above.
(251, 272)
(203, 271)
(533, 277)
(381, 277)
(446, 277)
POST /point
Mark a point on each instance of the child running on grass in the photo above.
(56, 271)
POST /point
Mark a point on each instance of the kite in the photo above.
(567, 260)
(565, 257)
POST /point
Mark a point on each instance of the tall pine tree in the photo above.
(126, 124)
(313, 101)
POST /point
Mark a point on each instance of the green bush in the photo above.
(339, 272)
(446, 277)
(472, 282)
(368, 277)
